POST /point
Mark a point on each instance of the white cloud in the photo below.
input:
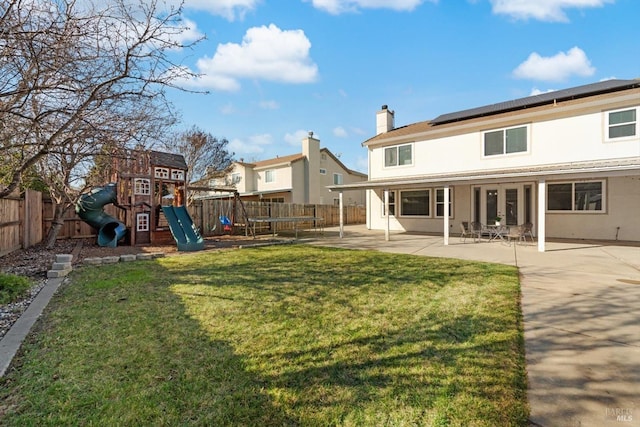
(340, 132)
(535, 91)
(269, 105)
(555, 68)
(295, 138)
(228, 9)
(543, 10)
(337, 7)
(266, 53)
(254, 145)
(227, 109)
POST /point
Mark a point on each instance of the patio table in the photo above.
(496, 232)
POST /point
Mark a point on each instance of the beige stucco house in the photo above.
(566, 161)
(295, 178)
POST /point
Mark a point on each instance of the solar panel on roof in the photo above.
(535, 100)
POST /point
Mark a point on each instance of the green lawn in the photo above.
(283, 335)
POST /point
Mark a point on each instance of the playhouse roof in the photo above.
(175, 161)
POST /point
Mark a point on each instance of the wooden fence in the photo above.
(206, 215)
(20, 221)
(25, 220)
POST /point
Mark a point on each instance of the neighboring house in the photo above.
(567, 161)
(297, 178)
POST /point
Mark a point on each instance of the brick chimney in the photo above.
(384, 120)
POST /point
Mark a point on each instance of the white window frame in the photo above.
(436, 203)
(504, 130)
(270, 176)
(337, 178)
(161, 173)
(142, 222)
(573, 210)
(323, 171)
(142, 186)
(429, 202)
(608, 125)
(397, 148)
(177, 174)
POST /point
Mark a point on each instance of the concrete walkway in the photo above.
(581, 306)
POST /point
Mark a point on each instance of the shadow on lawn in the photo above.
(440, 369)
(116, 351)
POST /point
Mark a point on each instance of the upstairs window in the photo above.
(337, 179)
(178, 175)
(161, 173)
(505, 141)
(400, 155)
(622, 123)
(323, 171)
(141, 186)
(269, 176)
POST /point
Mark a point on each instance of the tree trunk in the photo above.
(56, 224)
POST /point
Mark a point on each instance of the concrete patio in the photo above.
(580, 304)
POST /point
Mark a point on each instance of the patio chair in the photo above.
(465, 231)
(516, 233)
(477, 229)
(528, 230)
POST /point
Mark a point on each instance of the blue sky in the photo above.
(276, 69)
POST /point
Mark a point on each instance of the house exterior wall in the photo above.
(570, 132)
(623, 208)
(296, 178)
(554, 136)
(282, 178)
(461, 207)
(330, 166)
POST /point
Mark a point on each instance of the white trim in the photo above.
(141, 186)
(542, 217)
(607, 126)
(573, 210)
(526, 126)
(445, 192)
(142, 222)
(397, 148)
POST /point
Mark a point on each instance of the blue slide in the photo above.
(90, 208)
(184, 232)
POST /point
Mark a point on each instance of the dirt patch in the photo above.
(35, 261)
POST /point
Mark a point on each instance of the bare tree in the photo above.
(78, 76)
(202, 152)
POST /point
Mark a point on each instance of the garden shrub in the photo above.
(12, 287)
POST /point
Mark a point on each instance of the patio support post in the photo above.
(386, 214)
(341, 208)
(542, 209)
(446, 215)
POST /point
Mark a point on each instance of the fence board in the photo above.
(32, 214)
(9, 225)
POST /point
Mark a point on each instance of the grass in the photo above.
(277, 336)
(12, 287)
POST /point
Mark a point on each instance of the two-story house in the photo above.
(566, 161)
(296, 178)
